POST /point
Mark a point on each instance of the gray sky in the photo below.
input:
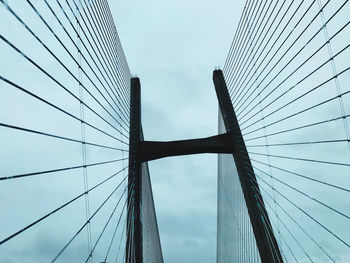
(173, 46)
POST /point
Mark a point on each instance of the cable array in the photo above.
(65, 104)
(287, 72)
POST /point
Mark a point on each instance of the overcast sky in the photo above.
(173, 47)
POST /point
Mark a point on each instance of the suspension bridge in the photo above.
(75, 185)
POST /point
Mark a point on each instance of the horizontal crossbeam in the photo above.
(152, 150)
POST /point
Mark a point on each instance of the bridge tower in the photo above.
(230, 142)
